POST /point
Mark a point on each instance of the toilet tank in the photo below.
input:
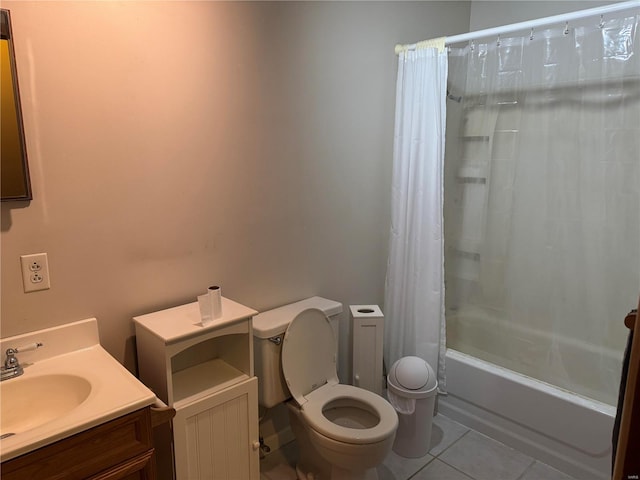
(268, 332)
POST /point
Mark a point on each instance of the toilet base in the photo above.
(311, 464)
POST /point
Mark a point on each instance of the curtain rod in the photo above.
(514, 27)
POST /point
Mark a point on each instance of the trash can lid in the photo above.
(412, 375)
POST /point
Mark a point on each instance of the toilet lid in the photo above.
(308, 354)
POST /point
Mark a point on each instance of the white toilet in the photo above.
(343, 432)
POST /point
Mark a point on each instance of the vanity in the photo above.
(75, 412)
(205, 372)
(118, 449)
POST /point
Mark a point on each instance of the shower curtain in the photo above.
(414, 293)
(542, 201)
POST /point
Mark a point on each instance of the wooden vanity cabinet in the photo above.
(116, 450)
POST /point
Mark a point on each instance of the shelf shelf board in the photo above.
(204, 379)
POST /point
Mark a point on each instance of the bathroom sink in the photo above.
(68, 386)
(30, 402)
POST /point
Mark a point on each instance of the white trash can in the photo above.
(412, 388)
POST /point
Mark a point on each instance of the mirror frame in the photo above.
(7, 34)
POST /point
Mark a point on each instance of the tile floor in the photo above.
(457, 453)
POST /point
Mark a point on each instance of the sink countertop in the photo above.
(74, 349)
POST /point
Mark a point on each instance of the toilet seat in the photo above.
(313, 412)
(309, 368)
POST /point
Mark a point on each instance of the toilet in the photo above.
(343, 432)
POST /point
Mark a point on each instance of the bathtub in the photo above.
(564, 430)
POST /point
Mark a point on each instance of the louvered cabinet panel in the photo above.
(217, 436)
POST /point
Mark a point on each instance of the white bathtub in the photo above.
(566, 431)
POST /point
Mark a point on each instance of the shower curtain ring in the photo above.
(498, 42)
(601, 24)
(531, 35)
(566, 28)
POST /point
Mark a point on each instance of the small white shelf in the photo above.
(205, 372)
(204, 379)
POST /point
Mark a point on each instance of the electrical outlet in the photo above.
(35, 272)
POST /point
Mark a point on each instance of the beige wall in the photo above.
(181, 144)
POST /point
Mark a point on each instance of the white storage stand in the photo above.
(206, 374)
(368, 332)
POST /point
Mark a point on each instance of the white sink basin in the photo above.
(69, 385)
(28, 402)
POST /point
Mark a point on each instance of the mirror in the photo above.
(14, 171)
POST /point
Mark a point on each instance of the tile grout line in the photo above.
(533, 460)
(459, 471)
(469, 430)
(422, 467)
(453, 443)
(449, 465)
(527, 469)
(434, 457)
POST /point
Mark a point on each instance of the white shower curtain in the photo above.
(414, 293)
(543, 201)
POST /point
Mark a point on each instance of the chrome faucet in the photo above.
(12, 367)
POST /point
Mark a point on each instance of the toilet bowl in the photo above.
(343, 432)
(348, 429)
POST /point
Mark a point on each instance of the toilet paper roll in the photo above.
(204, 303)
(210, 304)
(215, 299)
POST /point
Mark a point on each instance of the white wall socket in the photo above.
(35, 272)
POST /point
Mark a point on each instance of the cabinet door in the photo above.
(217, 437)
(138, 468)
(367, 368)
